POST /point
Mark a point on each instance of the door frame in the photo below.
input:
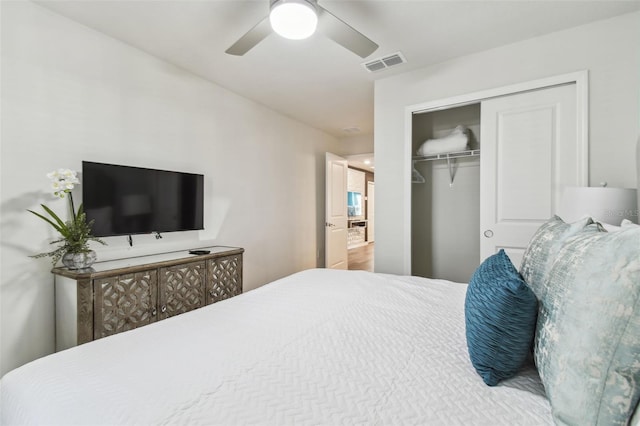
(371, 189)
(579, 78)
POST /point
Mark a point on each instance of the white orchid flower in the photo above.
(63, 181)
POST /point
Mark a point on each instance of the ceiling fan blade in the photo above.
(254, 36)
(343, 34)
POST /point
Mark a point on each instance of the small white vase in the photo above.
(79, 260)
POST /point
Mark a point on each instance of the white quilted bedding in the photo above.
(318, 347)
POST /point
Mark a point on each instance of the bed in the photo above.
(317, 347)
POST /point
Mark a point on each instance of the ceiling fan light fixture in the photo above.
(293, 19)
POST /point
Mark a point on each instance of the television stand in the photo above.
(120, 295)
(356, 232)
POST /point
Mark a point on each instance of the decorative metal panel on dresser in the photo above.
(120, 295)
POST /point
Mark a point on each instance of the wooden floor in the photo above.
(361, 258)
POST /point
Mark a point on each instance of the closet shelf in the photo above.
(416, 177)
(448, 155)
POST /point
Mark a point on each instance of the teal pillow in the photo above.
(587, 346)
(500, 318)
(543, 249)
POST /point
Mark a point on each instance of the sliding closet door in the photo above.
(529, 154)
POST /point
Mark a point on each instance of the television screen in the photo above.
(354, 204)
(123, 200)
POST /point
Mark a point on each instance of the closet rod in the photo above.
(448, 155)
(416, 177)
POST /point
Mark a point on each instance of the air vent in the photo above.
(384, 63)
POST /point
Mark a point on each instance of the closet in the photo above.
(445, 196)
(524, 148)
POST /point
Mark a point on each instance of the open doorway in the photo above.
(361, 213)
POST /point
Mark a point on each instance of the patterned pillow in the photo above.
(587, 346)
(500, 316)
(543, 249)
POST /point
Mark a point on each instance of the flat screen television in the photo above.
(354, 204)
(124, 200)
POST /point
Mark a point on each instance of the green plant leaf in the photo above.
(75, 234)
(46, 219)
(53, 215)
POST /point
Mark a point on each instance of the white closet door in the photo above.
(529, 153)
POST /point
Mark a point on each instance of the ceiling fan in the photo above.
(298, 19)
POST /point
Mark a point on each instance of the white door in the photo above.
(335, 226)
(529, 153)
(370, 212)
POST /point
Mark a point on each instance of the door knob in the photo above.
(488, 233)
(328, 224)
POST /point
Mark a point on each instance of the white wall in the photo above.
(356, 144)
(71, 94)
(608, 49)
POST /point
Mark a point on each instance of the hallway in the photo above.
(361, 258)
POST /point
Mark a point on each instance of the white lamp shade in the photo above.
(293, 19)
(605, 205)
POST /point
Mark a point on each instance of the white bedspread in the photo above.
(318, 347)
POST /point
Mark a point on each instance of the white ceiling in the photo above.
(316, 81)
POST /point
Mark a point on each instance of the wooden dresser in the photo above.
(120, 295)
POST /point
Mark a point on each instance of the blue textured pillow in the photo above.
(500, 314)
